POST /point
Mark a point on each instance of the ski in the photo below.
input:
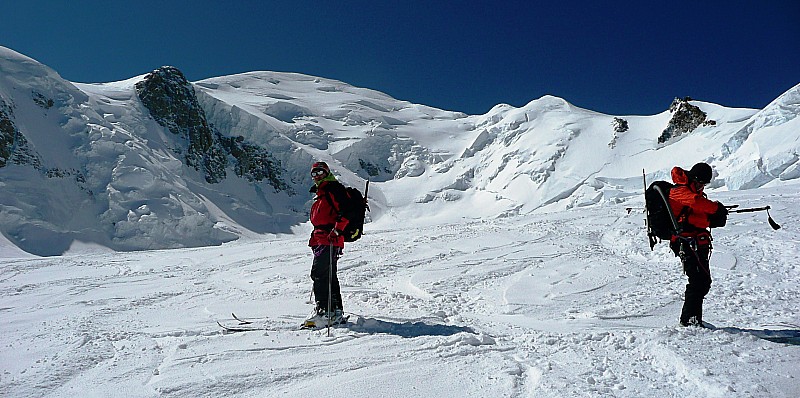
(241, 321)
(240, 327)
(245, 325)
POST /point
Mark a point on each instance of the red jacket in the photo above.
(691, 206)
(325, 214)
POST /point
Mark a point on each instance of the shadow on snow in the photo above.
(407, 328)
(783, 336)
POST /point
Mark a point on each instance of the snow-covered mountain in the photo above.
(500, 260)
(156, 161)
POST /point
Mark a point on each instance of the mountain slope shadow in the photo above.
(406, 329)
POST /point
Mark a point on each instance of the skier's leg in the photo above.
(703, 281)
(336, 292)
(689, 309)
(695, 265)
(691, 268)
(319, 274)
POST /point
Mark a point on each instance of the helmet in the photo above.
(701, 173)
(321, 166)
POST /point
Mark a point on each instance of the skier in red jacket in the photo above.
(326, 243)
(696, 214)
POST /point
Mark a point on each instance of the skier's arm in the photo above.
(719, 218)
(695, 201)
(338, 196)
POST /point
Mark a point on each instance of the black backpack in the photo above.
(661, 223)
(354, 208)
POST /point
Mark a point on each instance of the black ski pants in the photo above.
(695, 258)
(324, 258)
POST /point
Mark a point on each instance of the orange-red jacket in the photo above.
(326, 214)
(690, 206)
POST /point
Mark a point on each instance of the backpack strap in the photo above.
(682, 217)
(676, 227)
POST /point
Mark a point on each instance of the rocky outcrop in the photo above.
(8, 133)
(620, 125)
(41, 100)
(685, 118)
(172, 102)
(254, 163)
(13, 145)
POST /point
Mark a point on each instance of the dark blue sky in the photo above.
(620, 58)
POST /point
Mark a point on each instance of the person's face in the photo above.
(699, 186)
(318, 174)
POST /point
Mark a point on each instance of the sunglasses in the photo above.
(318, 173)
(700, 185)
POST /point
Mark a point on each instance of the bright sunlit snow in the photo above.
(564, 304)
(500, 259)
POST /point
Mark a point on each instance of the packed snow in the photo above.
(505, 255)
(563, 304)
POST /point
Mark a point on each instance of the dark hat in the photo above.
(320, 166)
(701, 173)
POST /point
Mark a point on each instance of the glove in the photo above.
(334, 235)
(719, 218)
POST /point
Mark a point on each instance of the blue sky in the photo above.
(619, 58)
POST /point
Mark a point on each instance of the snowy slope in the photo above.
(566, 304)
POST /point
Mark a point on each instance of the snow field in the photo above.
(560, 304)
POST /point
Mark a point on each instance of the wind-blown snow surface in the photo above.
(565, 304)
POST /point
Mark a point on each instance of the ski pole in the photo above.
(771, 222)
(749, 210)
(330, 294)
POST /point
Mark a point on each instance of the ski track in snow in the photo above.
(553, 305)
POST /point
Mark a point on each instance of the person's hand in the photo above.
(334, 235)
(719, 218)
